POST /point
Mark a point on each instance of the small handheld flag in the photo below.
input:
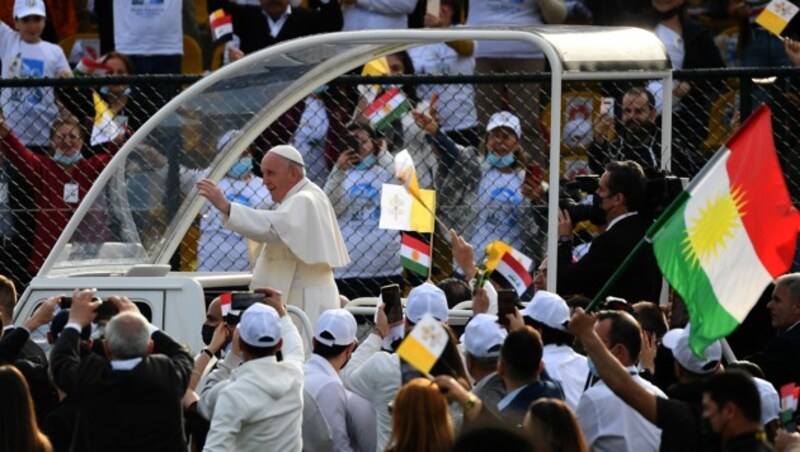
(777, 15)
(105, 127)
(415, 254)
(88, 66)
(221, 24)
(387, 108)
(401, 211)
(424, 345)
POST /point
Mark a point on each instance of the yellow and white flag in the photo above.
(105, 128)
(776, 16)
(424, 345)
(402, 211)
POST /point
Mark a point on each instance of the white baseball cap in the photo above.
(484, 336)
(25, 8)
(505, 119)
(549, 309)
(339, 325)
(770, 400)
(260, 326)
(426, 298)
(677, 340)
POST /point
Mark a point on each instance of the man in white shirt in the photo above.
(548, 313)
(334, 342)
(483, 338)
(376, 14)
(261, 406)
(376, 375)
(607, 422)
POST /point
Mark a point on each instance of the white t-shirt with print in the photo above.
(500, 203)
(29, 112)
(456, 106)
(148, 27)
(373, 251)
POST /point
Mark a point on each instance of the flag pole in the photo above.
(676, 203)
(430, 261)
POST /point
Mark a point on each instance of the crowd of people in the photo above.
(548, 378)
(545, 377)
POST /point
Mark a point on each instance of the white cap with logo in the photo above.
(260, 326)
(484, 336)
(426, 298)
(548, 308)
(25, 8)
(505, 119)
(335, 327)
(677, 340)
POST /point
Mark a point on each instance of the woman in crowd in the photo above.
(553, 427)
(354, 189)
(18, 428)
(483, 191)
(60, 182)
(420, 419)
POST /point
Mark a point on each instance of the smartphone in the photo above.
(243, 300)
(392, 304)
(66, 303)
(506, 304)
(480, 278)
(351, 142)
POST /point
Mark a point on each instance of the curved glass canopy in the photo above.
(146, 197)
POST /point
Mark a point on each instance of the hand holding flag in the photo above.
(777, 15)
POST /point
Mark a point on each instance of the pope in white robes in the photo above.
(301, 237)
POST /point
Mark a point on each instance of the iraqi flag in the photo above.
(510, 272)
(415, 255)
(730, 234)
(221, 24)
(387, 108)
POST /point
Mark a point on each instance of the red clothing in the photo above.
(48, 180)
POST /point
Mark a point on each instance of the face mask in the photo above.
(366, 163)
(207, 332)
(495, 161)
(592, 368)
(597, 216)
(59, 157)
(106, 92)
(321, 90)
(240, 168)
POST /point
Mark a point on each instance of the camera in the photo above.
(103, 312)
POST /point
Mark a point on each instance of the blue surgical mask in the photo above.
(59, 157)
(495, 161)
(243, 166)
(366, 163)
(106, 92)
(592, 368)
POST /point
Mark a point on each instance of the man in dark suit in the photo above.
(781, 359)
(131, 401)
(520, 365)
(620, 195)
(275, 21)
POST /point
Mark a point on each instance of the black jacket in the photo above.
(134, 410)
(641, 281)
(250, 24)
(781, 359)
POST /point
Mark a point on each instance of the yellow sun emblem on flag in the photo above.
(709, 231)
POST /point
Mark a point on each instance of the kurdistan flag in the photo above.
(415, 254)
(733, 232)
(387, 108)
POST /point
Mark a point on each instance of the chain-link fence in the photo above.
(348, 132)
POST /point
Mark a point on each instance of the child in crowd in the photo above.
(30, 112)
